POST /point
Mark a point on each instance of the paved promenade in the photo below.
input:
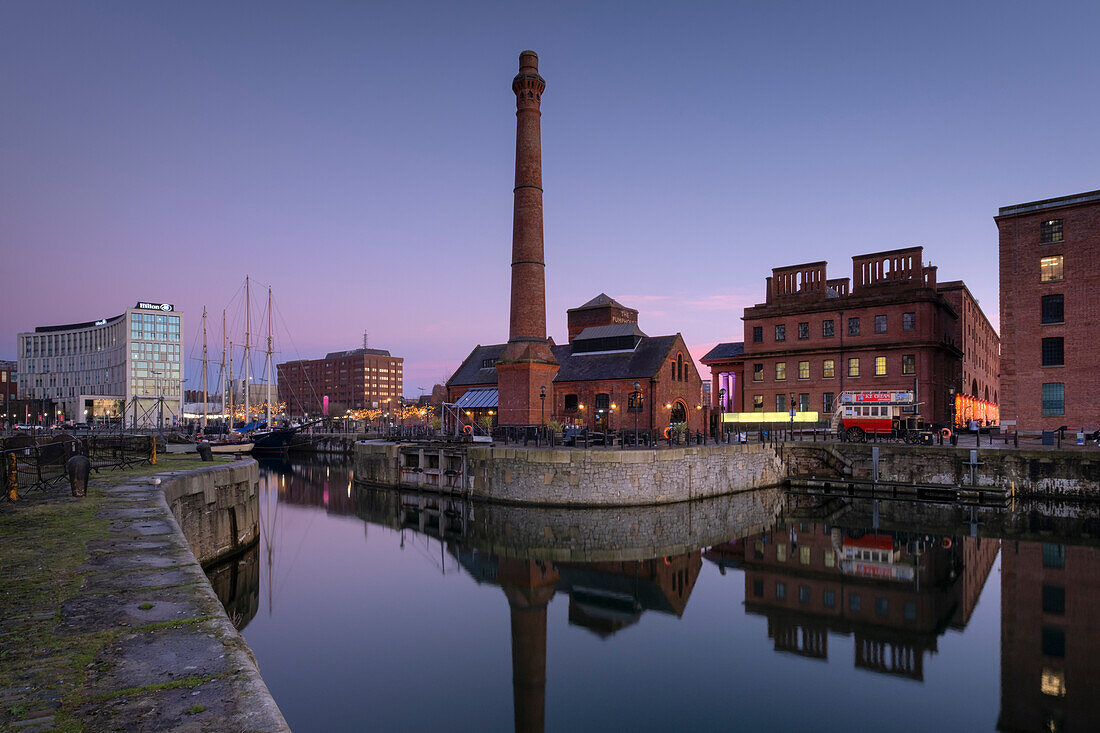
(107, 622)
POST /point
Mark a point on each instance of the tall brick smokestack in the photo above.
(527, 364)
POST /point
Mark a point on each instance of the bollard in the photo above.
(78, 468)
(1015, 439)
(206, 453)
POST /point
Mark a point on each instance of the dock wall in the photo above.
(217, 507)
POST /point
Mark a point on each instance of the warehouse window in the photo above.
(853, 326)
(880, 324)
(880, 366)
(1053, 308)
(908, 364)
(781, 332)
(1054, 351)
(1054, 398)
(803, 370)
(853, 367)
(1050, 269)
(827, 328)
(1050, 231)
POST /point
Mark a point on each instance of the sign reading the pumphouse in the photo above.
(154, 306)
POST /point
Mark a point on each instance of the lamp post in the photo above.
(542, 405)
(637, 409)
(721, 408)
(790, 435)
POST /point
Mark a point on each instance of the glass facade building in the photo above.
(97, 370)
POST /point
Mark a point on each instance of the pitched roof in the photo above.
(641, 363)
(471, 371)
(609, 331)
(728, 350)
(601, 300)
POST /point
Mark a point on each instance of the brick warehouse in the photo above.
(890, 327)
(356, 379)
(593, 384)
(1050, 318)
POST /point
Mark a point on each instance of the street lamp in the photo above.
(542, 404)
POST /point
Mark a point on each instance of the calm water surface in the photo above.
(371, 609)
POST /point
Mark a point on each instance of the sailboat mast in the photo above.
(232, 412)
(247, 369)
(204, 370)
(221, 374)
(267, 365)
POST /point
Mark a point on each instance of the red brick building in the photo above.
(357, 379)
(593, 384)
(9, 392)
(1050, 275)
(980, 343)
(890, 327)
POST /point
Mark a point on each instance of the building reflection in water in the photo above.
(1050, 641)
(894, 591)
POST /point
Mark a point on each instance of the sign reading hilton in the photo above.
(154, 306)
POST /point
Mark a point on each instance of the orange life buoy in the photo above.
(469, 429)
(668, 433)
(946, 543)
(946, 433)
(668, 561)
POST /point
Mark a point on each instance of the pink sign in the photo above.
(324, 405)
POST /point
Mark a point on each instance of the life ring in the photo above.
(668, 433)
(668, 561)
(946, 433)
(946, 543)
(469, 429)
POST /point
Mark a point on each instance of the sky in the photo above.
(358, 157)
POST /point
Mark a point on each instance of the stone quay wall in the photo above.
(585, 478)
(1066, 474)
(217, 507)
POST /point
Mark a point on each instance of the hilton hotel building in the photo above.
(98, 369)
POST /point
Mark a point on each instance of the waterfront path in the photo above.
(107, 621)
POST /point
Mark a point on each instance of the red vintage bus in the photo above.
(860, 413)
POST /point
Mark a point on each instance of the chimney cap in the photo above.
(529, 59)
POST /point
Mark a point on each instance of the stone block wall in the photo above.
(217, 507)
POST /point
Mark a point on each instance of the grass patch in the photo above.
(145, 606)
(195, 709)
(189, 681)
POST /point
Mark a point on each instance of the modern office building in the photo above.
(358, 379)
(1050, 275)
(890, 327)
(130, 363)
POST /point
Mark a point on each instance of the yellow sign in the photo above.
(753, 418)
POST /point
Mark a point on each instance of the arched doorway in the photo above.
(974, 388)
(678, 414)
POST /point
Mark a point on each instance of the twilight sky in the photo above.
(358, 156)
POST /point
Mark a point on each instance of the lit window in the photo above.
(827, 328)
(781, 552)
(853, 367)
(1053, 308)
(853, 326)
(758, 372)
(803, 330)
(780, 370)
(880, 324)
(827, 369)
(1053, 351)
(781, 332)
(908, 364)
(1050, 269)
(758, 402)
(1054, 398)
(803, 370)
(880, 366)
(830, 559)
(804, 555)
(1050, 231)
(1052, 682)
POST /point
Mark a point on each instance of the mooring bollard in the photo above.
(206, 453)
(78, 468)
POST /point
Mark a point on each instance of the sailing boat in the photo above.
(270, 439)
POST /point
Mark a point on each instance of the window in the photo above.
(830, 559)
(853, 367)
(910, 611)
(603, 401)
(1054, 599)
(635, 402)
(827, 403)
(1052, 682)
(1050, 231)
(804, 402)
(803, 330)
(781, 332)
(804, 555)
(1054, 556)
(758, 334)
(570, 402)
(827, 369)
(853, 326)
(781, 591)
(880, 366)
(780, 370)
(758, 372)
(803, 370)
(1054, 641)
(880, 324)
(680, 367)
(908, 321)
(854, 602)
(1054, 398)
(829, 598)
(882, 607)
(803, 594)
(781, 552)
(1050, 269)
(758, 588)
(781, 403)
(488, 363)
(908, 364)
(1054, 351)
(1053, 308)
(758, 402)
(827, 328)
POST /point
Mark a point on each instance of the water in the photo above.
(711, 616)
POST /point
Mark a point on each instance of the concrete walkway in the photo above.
(107, 622)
